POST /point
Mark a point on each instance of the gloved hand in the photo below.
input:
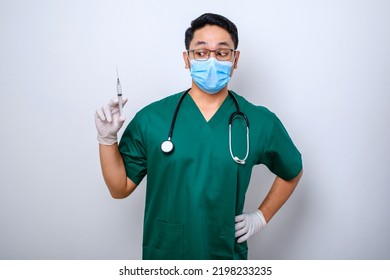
(249, 224)
(108, 122)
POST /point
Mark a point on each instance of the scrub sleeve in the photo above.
(281, 156)
(133, 152)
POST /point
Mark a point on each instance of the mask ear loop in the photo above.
(188, 64)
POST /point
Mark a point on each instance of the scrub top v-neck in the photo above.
(194, 193)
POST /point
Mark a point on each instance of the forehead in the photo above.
(211, 36)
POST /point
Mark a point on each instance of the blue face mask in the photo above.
(210, 75)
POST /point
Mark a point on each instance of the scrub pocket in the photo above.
(165, 243)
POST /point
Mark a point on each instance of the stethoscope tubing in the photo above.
(175, 114)
(167, 145)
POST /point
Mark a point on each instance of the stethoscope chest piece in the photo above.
(167, 146)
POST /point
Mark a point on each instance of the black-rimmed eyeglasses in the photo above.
(204, 54)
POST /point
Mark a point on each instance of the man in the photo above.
(197, 180)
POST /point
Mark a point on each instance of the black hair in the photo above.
(211, 19)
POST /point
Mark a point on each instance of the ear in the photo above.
(236, 59)
(186, 60)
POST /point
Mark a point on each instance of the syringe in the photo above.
(119, 92)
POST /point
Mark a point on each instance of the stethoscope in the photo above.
(167, 146)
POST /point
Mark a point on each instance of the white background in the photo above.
(322, 66)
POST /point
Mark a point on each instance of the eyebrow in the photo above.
(200, 43)
(224, 43)
(203, 43)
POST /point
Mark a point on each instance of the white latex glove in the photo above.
(108, 122)
(249, 224)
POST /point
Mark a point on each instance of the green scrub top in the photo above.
(194, 193)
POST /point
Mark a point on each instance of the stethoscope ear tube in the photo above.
(232, 117)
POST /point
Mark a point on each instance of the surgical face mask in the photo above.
(210, 75)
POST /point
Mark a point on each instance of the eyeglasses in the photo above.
(204, 54)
